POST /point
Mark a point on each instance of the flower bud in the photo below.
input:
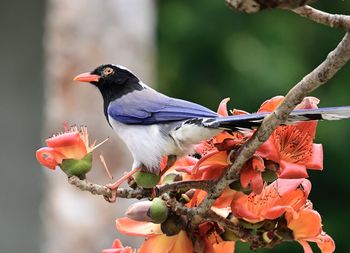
(79, 168)
(249, 225)
(171, 226)
(146, 179)
(158, 212)
(229, 235)
(172, 177)
(139, 211)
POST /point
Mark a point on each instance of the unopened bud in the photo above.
(172, 177)
(158, 212)
(139, 211)
(146, 179)
(229, 235)
(171, 226)
(79, 168)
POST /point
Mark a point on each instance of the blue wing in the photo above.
(146, 107)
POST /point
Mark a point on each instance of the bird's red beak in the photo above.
(87, 77)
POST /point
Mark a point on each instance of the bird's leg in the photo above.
(114, 186)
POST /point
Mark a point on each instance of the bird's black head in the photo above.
(113, 81)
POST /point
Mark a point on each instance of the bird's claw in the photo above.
(113, 197)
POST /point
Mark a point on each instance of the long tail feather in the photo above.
(254, 120)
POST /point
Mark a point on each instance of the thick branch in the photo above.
(321, 17)
(184, 186)
(325, 71)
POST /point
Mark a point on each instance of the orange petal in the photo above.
(316, 161)
(222, 110)
(221, 247)
(325, 243)
(308, 103)
(305, 224)
(271, 104)
(167, 244)
(48, 157)
(70, 145)
(130, 227)
(290, 170)
(306, 246)
(182, 244)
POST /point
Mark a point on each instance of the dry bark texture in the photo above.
(80, 35)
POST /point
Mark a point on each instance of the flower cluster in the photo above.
(268, 201)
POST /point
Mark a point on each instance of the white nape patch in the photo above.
(146, 143)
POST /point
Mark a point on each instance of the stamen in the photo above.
(105, 166)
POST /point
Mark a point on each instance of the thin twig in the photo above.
(321, 17)
(140, 193)
(325, 71)
(97, 189)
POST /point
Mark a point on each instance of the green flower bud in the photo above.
(158, 212)
(139, 211)
(146, 179)
(229, 235)
(79, 168)
(172, 177)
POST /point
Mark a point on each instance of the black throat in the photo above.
(111, 92)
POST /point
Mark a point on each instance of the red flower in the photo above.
(117, 247)
(274, 200)
(292, 146)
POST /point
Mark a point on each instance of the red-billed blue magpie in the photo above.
(154, 125)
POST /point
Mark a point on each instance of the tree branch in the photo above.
(140, 193)
(251, 6)
(325, 71)
(321, 17)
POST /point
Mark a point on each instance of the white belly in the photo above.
(146, 143)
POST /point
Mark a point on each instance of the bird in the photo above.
(153, 125)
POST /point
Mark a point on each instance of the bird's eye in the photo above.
(107, 71)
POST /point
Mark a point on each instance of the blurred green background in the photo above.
(205, 52)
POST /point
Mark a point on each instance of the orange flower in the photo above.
(292, 146)
(117, 247)
(70, 150)
(274, 200)
(156, 241)
(306, 226)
